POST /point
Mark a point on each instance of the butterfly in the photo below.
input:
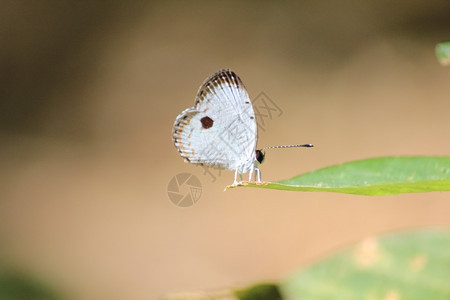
(220, 130)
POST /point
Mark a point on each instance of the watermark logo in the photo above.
(225, 148)
(184, 190)
(265, 109)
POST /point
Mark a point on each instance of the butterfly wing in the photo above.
(220, 130)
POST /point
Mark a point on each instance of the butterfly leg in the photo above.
(257, 175)
(250, 174)
(235, 179)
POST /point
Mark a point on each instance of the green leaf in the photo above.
(15, 285)
(443, 53)
(411, 266)
(373, 177)
(260, 291)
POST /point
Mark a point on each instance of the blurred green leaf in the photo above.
(443, 53)
(261, 291)
(413, 265)
(19, 286)
(373, 177)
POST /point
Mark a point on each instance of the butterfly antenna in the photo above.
(288, 146)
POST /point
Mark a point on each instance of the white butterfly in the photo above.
(220, 130)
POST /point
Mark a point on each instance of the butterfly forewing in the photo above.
(220, 130)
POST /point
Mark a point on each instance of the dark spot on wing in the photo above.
(207, 122)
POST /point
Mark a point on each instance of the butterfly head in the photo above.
(260, 155)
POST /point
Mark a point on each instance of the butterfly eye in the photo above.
(260, 156)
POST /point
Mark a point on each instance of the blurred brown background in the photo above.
(90, 91)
